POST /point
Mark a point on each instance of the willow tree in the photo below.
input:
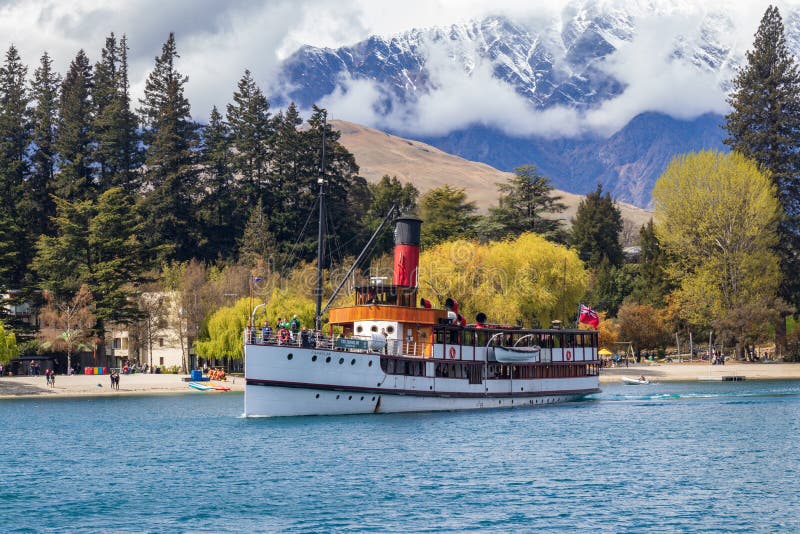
(716, 214)
(527, 280)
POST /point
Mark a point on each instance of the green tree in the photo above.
(8, 345)
(447, 215)
(117, 153)
(251, 130)
(525, 201)
(652, 283)
(596, 228)
(763, 125)
(527, 280)
(98, 245)
(257, 247)
(225, 328)
(219, 208)
(716, 216)
(44, 118)
(170, 136)
(386, 192)
(610, 286)
(73, 141)
(120, 260)
(14, 139)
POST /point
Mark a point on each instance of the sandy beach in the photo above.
(682, 372)
(100, 385)
(142, 384)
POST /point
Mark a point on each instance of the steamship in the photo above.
(393, 352)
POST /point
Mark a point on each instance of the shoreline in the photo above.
(88, 386)
(695, 371)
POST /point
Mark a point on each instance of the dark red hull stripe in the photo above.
(418, 393)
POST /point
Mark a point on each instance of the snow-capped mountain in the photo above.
(586, 65)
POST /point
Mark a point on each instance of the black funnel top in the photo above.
(406, 231)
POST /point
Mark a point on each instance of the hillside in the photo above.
(379, 153)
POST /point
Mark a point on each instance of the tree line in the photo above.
(118, 200)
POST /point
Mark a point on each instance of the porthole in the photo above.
(314, 358)
(362, 398)
(373, 399)
(390, 329)
(317, 395)
(337, 397)
(369, 364)
(359, 329)
(350, 397)
(341, 361)
(374, 328)
(353, 361)
(328, 359)
(289, 356)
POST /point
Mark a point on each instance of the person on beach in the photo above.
(53, 378)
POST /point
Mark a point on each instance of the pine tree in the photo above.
(524, 200)
(170, 137)
(764, 125)
(14, 139)
(74, 143)
(115, 126)
(251, 130)
(219, 208)
(652, 283)
(447, 215)
(44, 117)
(119, 258)
(384, 193)
(596, 228)
(257, 245)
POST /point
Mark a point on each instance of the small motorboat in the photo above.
(641, 381)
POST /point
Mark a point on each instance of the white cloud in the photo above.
(218, 40)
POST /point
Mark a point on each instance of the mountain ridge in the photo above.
(379, 153)
(562, 63)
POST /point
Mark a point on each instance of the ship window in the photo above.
(350, 397)
(390, 329)
(337, 397)
(353, 361)
(374, 328)
(359, 329)
(328, 359)
(289, 356)
(362, 398)
(341, 361)
(317, 396)
(314, 358)
(369, 364)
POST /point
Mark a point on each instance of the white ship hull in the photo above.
(293, 381)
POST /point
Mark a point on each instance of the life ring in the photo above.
(452, 352)
(569, 355)
(283, 335)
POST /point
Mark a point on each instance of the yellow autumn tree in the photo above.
(716, 215)
(527, 280)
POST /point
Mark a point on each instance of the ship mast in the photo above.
(321, 227)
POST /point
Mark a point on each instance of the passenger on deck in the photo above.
(266, 332)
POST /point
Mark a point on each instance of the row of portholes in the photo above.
(349, 397)
(328, 360)
(374, 328)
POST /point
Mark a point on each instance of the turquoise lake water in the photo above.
(679, 457)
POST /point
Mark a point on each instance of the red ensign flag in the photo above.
(589, 316)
